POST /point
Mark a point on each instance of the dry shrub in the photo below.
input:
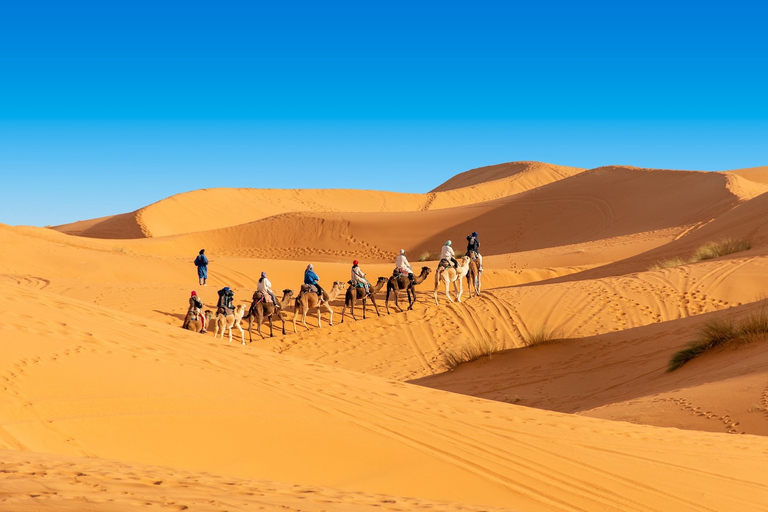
(468, 352)
(716, 333)
(721, 248)
(429, 256)
(673, 262)
(542, 336)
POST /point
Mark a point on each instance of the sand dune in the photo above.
(106, 404)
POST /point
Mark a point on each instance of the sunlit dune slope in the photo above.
(526, 175)
(594, 205)
(78, 379)
(208, 209)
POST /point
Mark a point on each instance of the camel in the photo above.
(262, 309)
(400, 282)
(474, 274)
(473, 278)
(196, 323)
(452, 275)
(355, 292)
(228, 322)
(308, 300)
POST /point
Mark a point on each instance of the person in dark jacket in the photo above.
(312, 279)
(201, 262)
(473, 249)
(226, 304)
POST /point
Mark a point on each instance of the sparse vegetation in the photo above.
(706, 252)
(721, 248)
(717, 333)
(674, 262)
(542, 336)
(120, 249)
(429, 256)
(468, 352)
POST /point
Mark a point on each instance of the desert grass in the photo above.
(673, 262)
(717, 333)
(470, 351)
(543, 335)
(721, 248)
(429, 256)
(706, 252)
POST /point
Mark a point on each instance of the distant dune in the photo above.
(106, 404)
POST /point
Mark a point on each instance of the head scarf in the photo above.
(448, 243)
(310, 267)
(354, 263)
(402, 251)
(194, 293)
(474, 233)
(202, 251)
(263, 274)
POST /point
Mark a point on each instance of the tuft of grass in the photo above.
(429, 256)
(542, 336)
(673, 262)
(721, 248)
(468, 352)
(120, 249)
(717, 333)
(706, 252)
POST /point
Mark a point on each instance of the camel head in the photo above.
(426, 270)
(287, 293)
(338, 285)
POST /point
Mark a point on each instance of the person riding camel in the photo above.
(195, 310)
(226, 304)
(473, 250)
(312, 279)
(402, 265)
(358, 277)
(447, 254)
(265, 287)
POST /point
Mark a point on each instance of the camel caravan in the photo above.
(265, 307)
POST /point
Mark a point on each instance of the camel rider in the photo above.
(265, 286)
(226, 303)
(447, 254)
(402, 265)
(473, 246)
(312, 279)
(195, 310)
(358, 277)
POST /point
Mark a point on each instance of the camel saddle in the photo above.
(309, 288)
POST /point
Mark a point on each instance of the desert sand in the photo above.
(107, 404)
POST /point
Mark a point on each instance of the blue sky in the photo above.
(106, 107)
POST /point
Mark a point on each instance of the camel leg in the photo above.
(270, 327)
(242, 334)
(330, 315)
(397, 297)
(448, 291)
(460, 286)
(364, 301)
(250, 326)
(375, 306)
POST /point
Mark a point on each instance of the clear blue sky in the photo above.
(106, 107)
